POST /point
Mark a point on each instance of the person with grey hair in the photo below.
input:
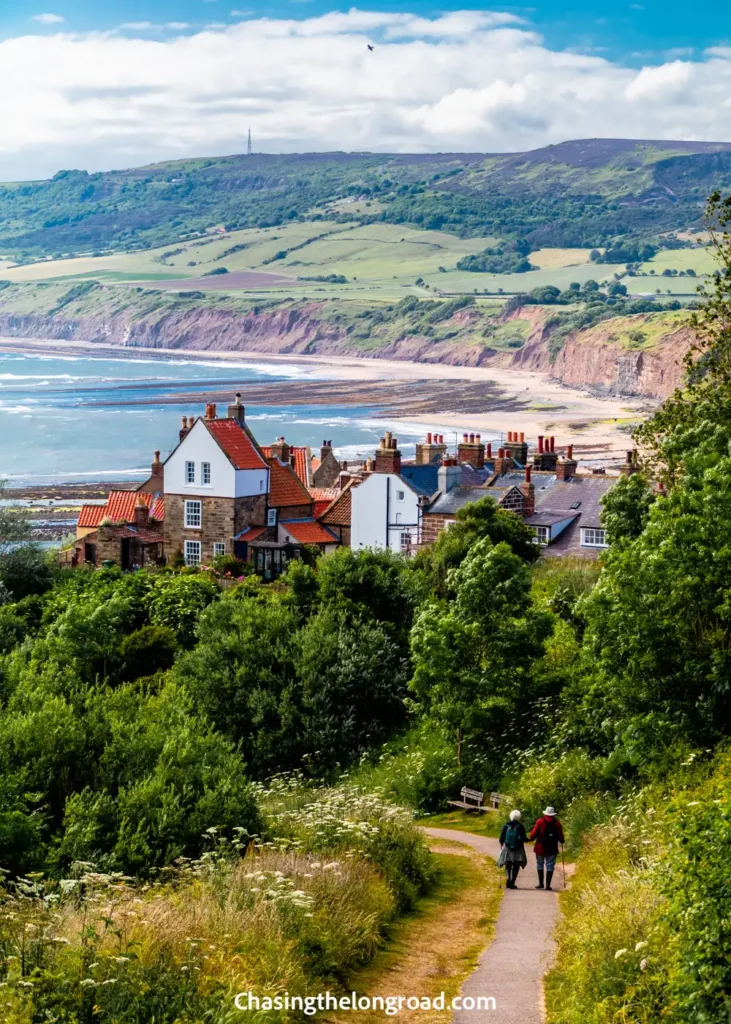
(512, 848)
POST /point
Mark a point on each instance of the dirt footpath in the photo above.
(511, 969)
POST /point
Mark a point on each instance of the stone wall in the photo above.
(221, 520)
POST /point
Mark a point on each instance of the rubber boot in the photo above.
(549, 876)
(540, 880)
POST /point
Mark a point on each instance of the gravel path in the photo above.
(511, 969)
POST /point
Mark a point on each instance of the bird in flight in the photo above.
(371, 48)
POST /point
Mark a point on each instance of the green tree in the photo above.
(14, 527)
(626, 508)
(473, 659)
(475, 522)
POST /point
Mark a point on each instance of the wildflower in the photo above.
(643, 964)
(619, 953)
(86, 982)
(639, 946)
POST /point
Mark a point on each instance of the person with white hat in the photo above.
(547, 833)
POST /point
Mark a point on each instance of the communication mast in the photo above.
(248, 146)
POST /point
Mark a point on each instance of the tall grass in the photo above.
(297, 913)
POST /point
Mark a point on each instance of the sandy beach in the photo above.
(489, 400)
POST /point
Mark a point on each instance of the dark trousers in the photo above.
(511, 873)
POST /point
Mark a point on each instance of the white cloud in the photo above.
(48, 19)
(461, 81)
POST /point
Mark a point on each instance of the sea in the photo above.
(59, 423)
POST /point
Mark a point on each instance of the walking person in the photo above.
(547, 833)
(512, 848)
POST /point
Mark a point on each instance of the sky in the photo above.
(122, 83)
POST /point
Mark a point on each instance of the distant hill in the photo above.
(586, 193)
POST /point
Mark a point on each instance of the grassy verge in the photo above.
(437, 946)
(488, 824)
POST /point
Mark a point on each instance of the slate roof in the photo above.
(586, 490)
(285, 487)
(422, 479)
(586, 493)
(550, 518)
(307, 531)
(451, 502)
(235, 443)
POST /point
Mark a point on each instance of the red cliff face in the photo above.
(595, 358)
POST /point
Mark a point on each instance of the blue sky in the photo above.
(627, 32)
(120, 83)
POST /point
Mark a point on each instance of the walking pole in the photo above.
(563, 867)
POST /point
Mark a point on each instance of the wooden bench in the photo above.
(497, 800)
(468, 795)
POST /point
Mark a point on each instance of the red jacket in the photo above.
(546, 848)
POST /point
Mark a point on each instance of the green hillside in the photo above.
(578, 194)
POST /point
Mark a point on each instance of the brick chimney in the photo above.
(236, 410)
(432, 450)
(471, 450)
(449, 475)
(141, 513)
(281, 450)
(210, 410)
(325, 450)
(157, 475)
(566, 466)
(545, 456)
(629, 466)
(528, 490)
(504, 462)
(517, 446)
(185, 428)
(388, 457)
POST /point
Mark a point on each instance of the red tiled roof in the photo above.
(285, 487)
(324, 497)
(340, 511)
(158, 509)
(252, 533)
(308, 532)
(91, 515)
(121, 505)
(235, 443)
(302, 458)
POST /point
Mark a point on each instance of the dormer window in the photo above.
(190, 472)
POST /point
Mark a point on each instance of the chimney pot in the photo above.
(553, 442)
(540, 443)
(570, 452)
(478, 439)
(501, 453)
(185, 422)
(428, 438)
(465, 439)
(489, 449)
(527, 474)
(472, 438)
(522, 437)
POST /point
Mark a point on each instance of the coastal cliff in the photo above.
(634, 356)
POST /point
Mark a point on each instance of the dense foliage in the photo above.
(569, 195)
